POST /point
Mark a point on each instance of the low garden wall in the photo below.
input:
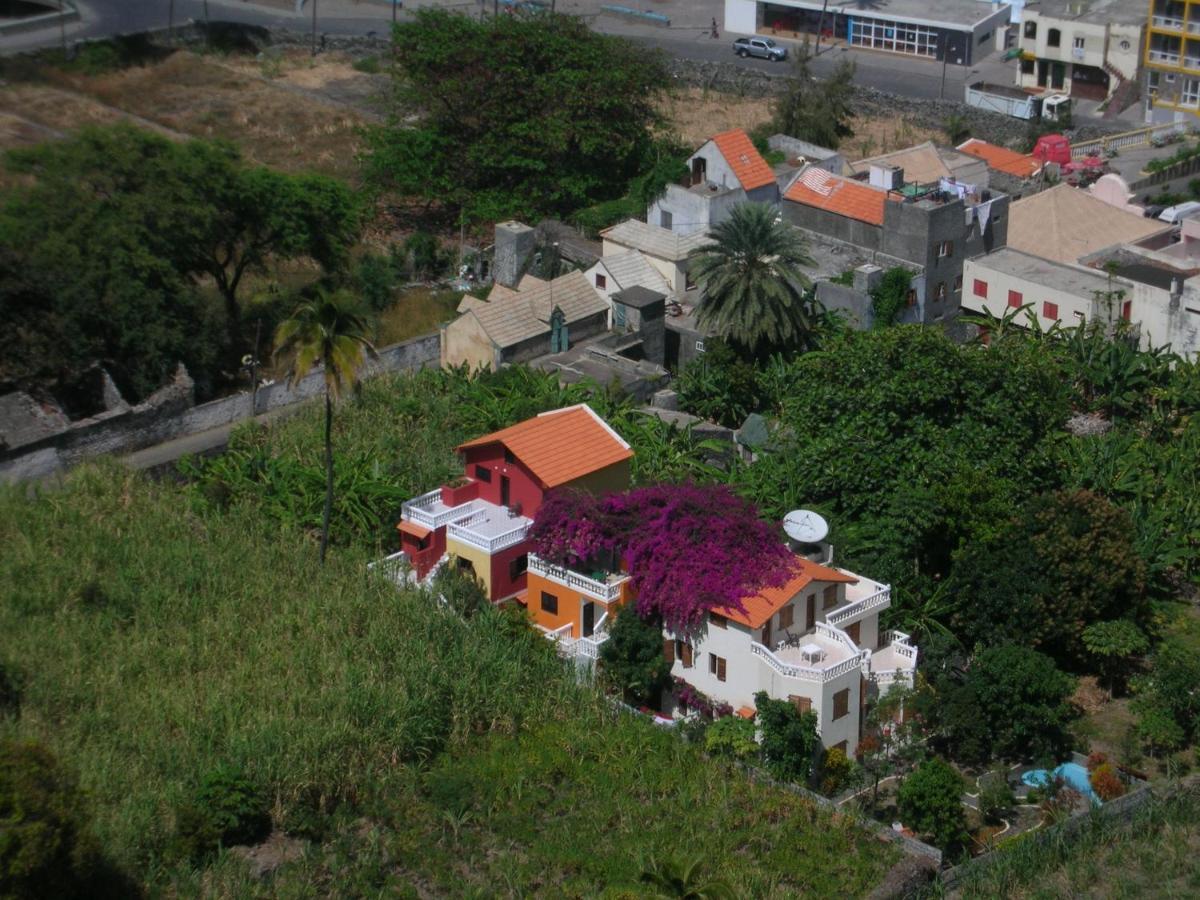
(170, 414)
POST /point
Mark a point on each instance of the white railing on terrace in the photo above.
(1193, 27)
(1168, 22)
(461, 531)
(888, 677)
(805, 673)
(392, 567)
(901, 643)
(417, 510)
(879, 600)
(589, 647)
(572, 579)
(1138, 138)
(836, 634)
(1164, 57)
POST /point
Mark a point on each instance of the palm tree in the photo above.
(751, 285)
(330, 331)
(682, 878)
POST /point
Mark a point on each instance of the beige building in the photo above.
(1064, 224)
(664, 250)
(926, 164)
(613, 274)
(1085, 48)
(519, 325)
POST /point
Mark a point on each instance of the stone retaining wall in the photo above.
(169, 414)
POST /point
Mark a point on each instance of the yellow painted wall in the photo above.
(464, 341)
(611, 478)
(570, 604)
(480, 560)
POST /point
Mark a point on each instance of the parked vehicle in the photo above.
(1176, 214)
(1015, 102)
(763, 48)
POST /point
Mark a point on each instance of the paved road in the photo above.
(905, 76)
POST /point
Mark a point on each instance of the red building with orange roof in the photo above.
(726, 171)
(482, 518)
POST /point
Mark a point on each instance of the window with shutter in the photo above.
(853, 630)
(841, 703)
(829, 597)
(786, 616)
(669, 650)
(802, 704)
(716, 620)
(686, 655)
(720, 668)
(549, 603)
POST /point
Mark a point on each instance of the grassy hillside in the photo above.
(159, 635)
(1153, 856)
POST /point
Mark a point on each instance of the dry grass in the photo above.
(416, 311)
(696, 115)
(276, 125)
(873, 136)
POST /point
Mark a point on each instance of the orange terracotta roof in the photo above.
(746, 712)
(852, 199)
(561, 445)
(750, 169)
(764, 604)
(1001, 158)
(418, 531)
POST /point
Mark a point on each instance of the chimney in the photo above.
(514, 243)
(888, 177)
(1176, 292)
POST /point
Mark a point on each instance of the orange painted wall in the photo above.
(570, 604)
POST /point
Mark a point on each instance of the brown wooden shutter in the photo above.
(720, 668)
(687, 656)
(802, 704)
(852, 631)
(669, 650)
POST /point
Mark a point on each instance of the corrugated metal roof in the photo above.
(561, 445)
(654, 241)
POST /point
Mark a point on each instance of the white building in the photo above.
(662, 248)
(1086, 48)
(815, 641)
(726, 171)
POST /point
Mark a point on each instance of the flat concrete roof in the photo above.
(1058, 276)
(1154, 275)
(945, 13)
(1099, 12)
(639, 297)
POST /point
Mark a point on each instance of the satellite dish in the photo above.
(805, 526)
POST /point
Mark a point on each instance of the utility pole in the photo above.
(314, 28)
(945, 60)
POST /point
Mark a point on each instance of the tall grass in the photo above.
(159, 635)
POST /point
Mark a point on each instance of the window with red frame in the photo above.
(1015, 299)
(1050, 310)
(980, 288)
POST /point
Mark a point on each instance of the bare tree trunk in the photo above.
(328, 473)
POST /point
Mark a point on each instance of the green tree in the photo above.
(226, 809)
(719, 385)
(891, 296)
(751, 283)
(1168, 700)
(930, 803)
(995, 796)
(567, 119)
(816, 110)
(46, 845)
(731, 737)
(1062, 564)
(1011, 704)
(331, 332)
(1115, 644)
(790, 741)
(633, 660)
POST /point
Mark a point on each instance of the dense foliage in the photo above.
(689, 548)
(632, 658)
(514, 115)
(818, 110)
(930, 803)
(1011, 703)
(790, 743)
(111, 235)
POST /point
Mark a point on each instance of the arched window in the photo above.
(1053, 37)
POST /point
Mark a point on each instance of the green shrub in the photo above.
(789, 738)
(11, 687)
(226, 810)
(46, 847)
(368, 64)
(731, 737)
(837, 771)
(995, 797)
(462, 592)
(930, 803)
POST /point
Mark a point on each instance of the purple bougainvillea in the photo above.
(688, 548)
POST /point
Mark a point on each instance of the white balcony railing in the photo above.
(418, 510)
(1193, 27)
(806, 673)
(901, 643)
(600, 590)
(1163, 57)
(461, 531)
(589, 647)
(1169, 23)
(880, 600)
(394, 567)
